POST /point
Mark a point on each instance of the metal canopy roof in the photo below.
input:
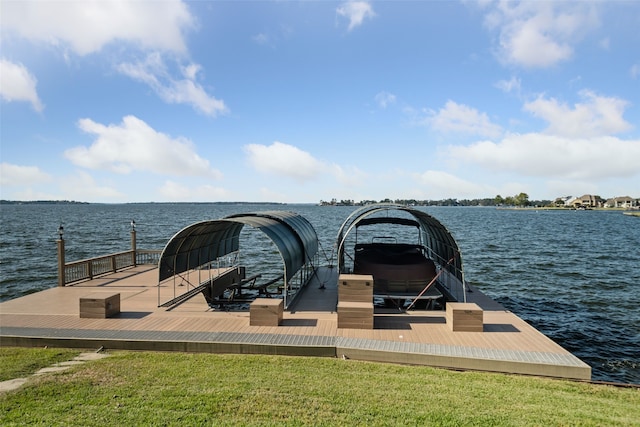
(438, 238)
(203, 242)
(388, 220)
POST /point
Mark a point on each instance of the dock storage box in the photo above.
(466, 317)
(355, 315)
(99, 305)
(266, 312)
(355, 287)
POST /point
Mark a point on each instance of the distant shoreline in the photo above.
(70, 202)
(632, 212)
(42, 202)
(553, 208)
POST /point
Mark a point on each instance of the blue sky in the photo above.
(302, 101)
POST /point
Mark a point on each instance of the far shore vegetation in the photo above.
(147, 388)
(520, 200)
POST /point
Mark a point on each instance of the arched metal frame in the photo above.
(436, 238)
(202, 243)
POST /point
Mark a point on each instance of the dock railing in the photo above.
(88, 269)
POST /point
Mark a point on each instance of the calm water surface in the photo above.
(573, 275)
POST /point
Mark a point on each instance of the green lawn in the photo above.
(142, 388)
(22, 362)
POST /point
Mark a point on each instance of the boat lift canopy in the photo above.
(438, 239)
(204, 242)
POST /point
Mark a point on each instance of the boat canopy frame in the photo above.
(199, 245)
(434, 237)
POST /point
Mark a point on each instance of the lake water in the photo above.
(574, 275)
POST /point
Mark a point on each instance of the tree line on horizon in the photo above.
(518, 200)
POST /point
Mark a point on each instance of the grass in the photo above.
(140, 388)
(22, 362)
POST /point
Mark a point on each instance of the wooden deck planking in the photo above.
(312, 316)
(388, 327)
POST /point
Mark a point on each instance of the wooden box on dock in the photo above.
(467, 317)
(355, 287)
(266, 312)
(355, 315)
(99, 305)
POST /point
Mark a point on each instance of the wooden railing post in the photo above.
(61, 261)
(133, 243)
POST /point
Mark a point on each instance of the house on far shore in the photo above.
(625, 202)
(587, 201)
(564, 201)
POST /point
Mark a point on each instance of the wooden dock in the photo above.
(309, 328)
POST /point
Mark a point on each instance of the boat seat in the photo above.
(385, 286)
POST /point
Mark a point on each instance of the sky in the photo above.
(303, 101)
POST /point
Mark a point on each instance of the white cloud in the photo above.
(82, 186)
(87, 26)
(175, 192)
(356, 12)
(153, 71)
(555, 156)
(569, 187)
(15, 175)
(135, 146)
(539, 34)
(350, 176)
(384, 99)
(509, 86)
(29, 194)
(461, 118)
(440, 185)
(634, 71)
(268, 195)
(18, 84)
(283, 159)
(262, 39)
(605, 43)
(578, 144)
(273, 36)
(596, 116)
